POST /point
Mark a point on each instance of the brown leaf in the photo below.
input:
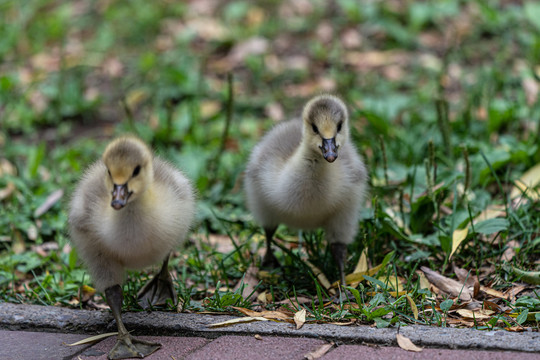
(494, 293)
(481, 314)
(406, 344)
(237, 321)
(492, 306)
(319, 352)
(509, 253)
(467, 278)
(249, 282)
(447, 285)
(49, 202)
(300, 318)
(323, 280)
(275, 315)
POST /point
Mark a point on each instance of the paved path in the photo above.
(37, 332)
(25, 345)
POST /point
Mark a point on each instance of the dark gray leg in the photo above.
(269, 260)
(157, 291)
(126, 346)
(339, 252)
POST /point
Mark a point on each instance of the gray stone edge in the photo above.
(64, 320)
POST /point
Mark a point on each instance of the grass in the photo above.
(443, 102)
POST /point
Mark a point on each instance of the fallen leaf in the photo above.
(514, 328)
(457, 238)
(512, 293)
(86, 292)
(323, 280)
(526, 184)
(481, 314)
(406, 344)
(359, 277)
(300, 318)
(447, 285)
(467, 278)
(92, 339)
(424, 282)
(6, 191)
(491, 306)
(509, 253)
(413, 306)
(49, 202)
(275, 315)
(492, 292)
(258, 337)
(319, 352)
(264, 298)
(237, 321)
(249, 282)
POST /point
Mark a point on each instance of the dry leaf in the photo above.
(447, 285)
(424, 282)
(509, 253)
(493, 292)
(457, 238)
(481, 314)
(237, 321)
(6, 191)
(258, 337)
(93, 339)
(528, 181)
(413, 306)
(359, 277)
(406, 344)
(275, 315)
(319, 352)
(468, 279)
(52, 199)
(300, 318)
(249, 281)
(323, 280)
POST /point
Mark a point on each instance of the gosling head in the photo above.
(326, 125)
(129, 170)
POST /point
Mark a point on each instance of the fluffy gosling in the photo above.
(306, 174)
(129, 211)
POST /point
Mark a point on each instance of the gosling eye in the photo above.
(339, 126)
(137, 170)
(315, 128)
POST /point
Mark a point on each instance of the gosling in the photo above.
(129, 211)
(306, 174)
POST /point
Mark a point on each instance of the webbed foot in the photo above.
(157, 291)
(128, 347)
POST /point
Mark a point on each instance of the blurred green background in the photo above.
(443, 97)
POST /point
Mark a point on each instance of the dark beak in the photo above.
(329, 149)
(120, 196)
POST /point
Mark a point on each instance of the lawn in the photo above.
(443, 98)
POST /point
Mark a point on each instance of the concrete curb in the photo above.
(56, 319)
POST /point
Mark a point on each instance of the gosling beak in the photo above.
(329, 149)
(120, 196)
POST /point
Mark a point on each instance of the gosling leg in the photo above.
(126, 346)
(157, 291)
(339, 252)
(269, 259)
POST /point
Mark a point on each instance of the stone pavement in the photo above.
(37, 332)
